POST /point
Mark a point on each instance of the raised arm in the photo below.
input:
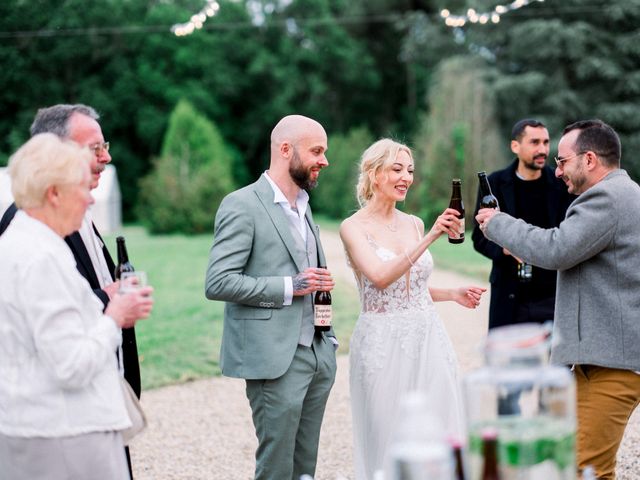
(588, 228)
(382, 274)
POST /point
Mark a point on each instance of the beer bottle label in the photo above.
(460, 231)
(322, 316)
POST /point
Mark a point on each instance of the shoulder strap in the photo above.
(415, 224)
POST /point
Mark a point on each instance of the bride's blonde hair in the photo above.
(376, 158)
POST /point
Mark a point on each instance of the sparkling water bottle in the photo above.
(419, 450)
(527, 401)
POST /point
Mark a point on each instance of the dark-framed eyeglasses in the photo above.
(561, 161)
(99, 148)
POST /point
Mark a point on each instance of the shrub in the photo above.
(335, 195)
(190, 178)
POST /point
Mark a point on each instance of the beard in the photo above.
(531, 165)
(578, 180)
(300, 175)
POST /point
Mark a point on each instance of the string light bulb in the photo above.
(472, 16)
(196, 22)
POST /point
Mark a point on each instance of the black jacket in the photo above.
(503, 278)
(85, 267)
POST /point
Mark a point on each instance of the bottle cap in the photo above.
(489, 433)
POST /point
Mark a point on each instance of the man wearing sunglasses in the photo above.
(597, 255)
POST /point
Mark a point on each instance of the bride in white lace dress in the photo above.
(399, 343)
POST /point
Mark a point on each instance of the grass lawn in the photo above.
(181, 340)
(460, 258)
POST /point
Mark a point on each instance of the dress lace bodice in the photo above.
(407, 293)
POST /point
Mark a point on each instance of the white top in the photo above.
(58, 373)
(294, 217)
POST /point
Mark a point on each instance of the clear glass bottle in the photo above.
(529, 402)
(418, 450)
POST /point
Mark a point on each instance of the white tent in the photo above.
(6, 198)
(106, 212)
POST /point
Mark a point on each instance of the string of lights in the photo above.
(473, 16)
(197, 19)
(217, 26)
(211, 8)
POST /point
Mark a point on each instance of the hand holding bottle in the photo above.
(457, 236)
(134, 300)
(448, 223)
(311, 280)
(484, 216)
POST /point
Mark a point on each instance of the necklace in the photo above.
(393, 226)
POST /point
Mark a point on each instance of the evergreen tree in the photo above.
(190, 178)
(335, 195)
(458, 138)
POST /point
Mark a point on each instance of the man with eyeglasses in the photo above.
(597, 255)
(526, 189)
(80, 124)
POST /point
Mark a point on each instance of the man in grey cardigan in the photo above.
(596, 251)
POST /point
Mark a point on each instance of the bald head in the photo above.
(298, 146)
(293, 128)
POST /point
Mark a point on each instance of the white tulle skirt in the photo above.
(390, 355)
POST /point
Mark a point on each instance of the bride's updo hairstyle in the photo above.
(378, 157)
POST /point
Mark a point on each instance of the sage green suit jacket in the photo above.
(253, 250)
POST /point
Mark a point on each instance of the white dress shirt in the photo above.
(58, 373)
(296, 217)
(94, 247)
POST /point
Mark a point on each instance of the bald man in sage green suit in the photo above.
(264, 266)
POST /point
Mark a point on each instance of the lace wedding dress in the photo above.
(399, 344)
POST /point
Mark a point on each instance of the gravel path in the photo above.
(202, 430)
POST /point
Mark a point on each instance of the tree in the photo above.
(190, 178)
(458, 138)
(335, 195)
(565, 61)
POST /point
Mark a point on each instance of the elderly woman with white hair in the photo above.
(61, 407)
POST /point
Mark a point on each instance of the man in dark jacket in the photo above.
(526, 189)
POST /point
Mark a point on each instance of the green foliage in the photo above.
(335, 195)
(190, 178)
(567, 61)
(334, 60)
(459, 137)
(344, 62)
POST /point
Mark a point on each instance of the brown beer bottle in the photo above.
(456, 203)
(322, 310)
(487, 198)
(123, 259)
(490, 470)
(458, 458)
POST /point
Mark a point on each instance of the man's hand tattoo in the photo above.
(300, 282)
